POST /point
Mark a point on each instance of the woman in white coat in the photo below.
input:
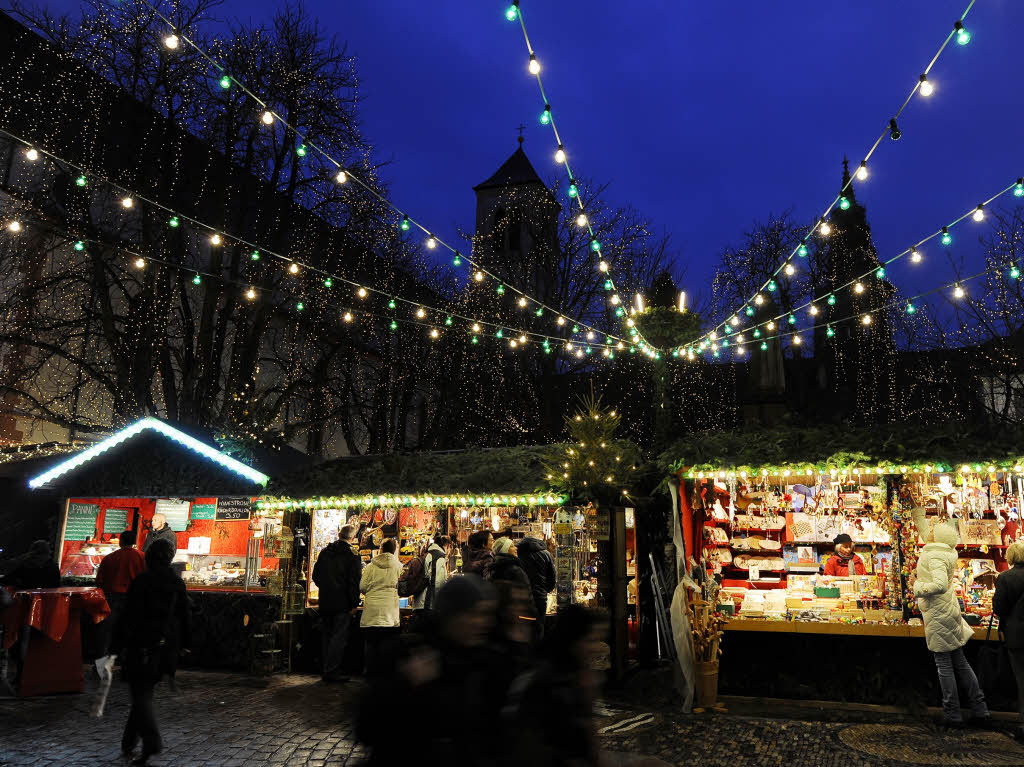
(380, 623)
(945, 630)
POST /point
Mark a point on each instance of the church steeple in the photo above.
(849, 193)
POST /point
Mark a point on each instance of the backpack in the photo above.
(413, 579)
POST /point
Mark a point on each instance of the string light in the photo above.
(560, 154)
(225, 82)
(947, 238)
(250, 294)
(858, 288)
(420, 313)
(958, 292)
(866, 319)
(197, 279)
(31, 154)
(925, 87)
(328, 282)
(431, 242)
(911, 309)
(844, 204)
(479, 276)
(825, 228)
(127, 202)
(140, 263)
(268, 117)
(979, 213)
(862, 171)
(172, 42)
(347, 316)
(915, 255)
(522, 303)
(1018, 188)
(173, 222)
(215, 239)
(602, 265)
(512, 12)
(293, 268)
(81, 181)
(342, 177)
(404, 226)
(534, 65)
(963, 36)
(361, 292)
(14, 226)
(790, 270)
(581, 219)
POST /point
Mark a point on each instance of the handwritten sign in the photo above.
(599, 525)
(204, 510)
(233, 508)
(115, 520)
(81, 522)
(979, 532)
(176, 512)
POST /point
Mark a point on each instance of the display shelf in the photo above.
(849, 629)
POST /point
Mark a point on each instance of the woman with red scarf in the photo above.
(844, 562)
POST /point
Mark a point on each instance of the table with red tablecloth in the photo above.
(54, 660)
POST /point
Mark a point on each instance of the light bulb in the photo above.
(739, 338)
(880, 273)
(32, 154)
(250, 294)
(268, 117)
(979, 213)
(420, 313)
(1015, 272)
(127, 202)
(140, 263)
(81, 181)
(560, 321)
(590, 335)
(545, 116)
(197, 280)
(858, 288)
(844, 203)
(911, 308)
(958, 292)
(796, 340)
(434, 333)
(713, 335)
(866, 319)
(14, 226)
(225, 82)
(790, 270)
(522, 339)
(513, 343)
(342, 177)
(476, 327)
(300, 306)
(829, 331)
(512, 12)
(405, 224)
(832, 299)
(602, 266)
(915, 255)
(522, 303)
(814, 311)
(615, 299)
(825, 228)
(962, 35)
(771, 325)
(573, 190)
(171, 41)
(862, 171)
(947, 238)
(1018, 188)
(431, 242)
(534, 65)
(925, 87)
(328, 282)
(581, 219)
(173, 222)
(293, 268)
(80, 246)
(479, 276)
(802, 250)
(361, 292)
(347, 316)
(215, 239)
(734, 321)
(560, 154)
(758, 299)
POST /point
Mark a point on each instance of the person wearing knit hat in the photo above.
(506, 565)
(844, 562)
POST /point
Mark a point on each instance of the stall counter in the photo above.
(842, 629)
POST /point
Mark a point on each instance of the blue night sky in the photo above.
(703, 118)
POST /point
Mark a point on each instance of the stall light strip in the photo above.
(128, 432)
(811, 471)
(530, 499)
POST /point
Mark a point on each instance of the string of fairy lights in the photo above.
(923, 86)
(913, 253)
(129, 200)
(514, 12)
(956, 288)
(343, 174)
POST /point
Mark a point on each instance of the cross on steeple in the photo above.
(521, 129)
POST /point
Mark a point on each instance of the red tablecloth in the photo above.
(54, 660)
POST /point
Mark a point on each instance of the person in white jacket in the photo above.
(380, 623)
(435, 562)
(945, 630)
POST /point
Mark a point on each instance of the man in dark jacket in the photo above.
(540, 568)
(336, 573)
(35, 570)
(149, 636)
(160, 531)
(1008, 605)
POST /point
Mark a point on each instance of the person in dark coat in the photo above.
(35, 570)
(149, 636)
(115, 575)
(336, 573)
(506, 565)
(1008, 605)
(478, 556)
(540, 569)
(160, 531)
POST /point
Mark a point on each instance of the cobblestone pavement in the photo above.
(227, 720)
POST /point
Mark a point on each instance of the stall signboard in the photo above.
(980, 532)
(81, 522)
(599, 525)
(204, 510)
(233, 508)
(176, 512)
(115, 520)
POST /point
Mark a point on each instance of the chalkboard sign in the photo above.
(233, 508)
(176, 512)
(81, 523)
(115, 520)
(204, 510)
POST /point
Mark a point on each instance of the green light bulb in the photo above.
(832, 299)
(725, 344)
(501, 290)
(880, 273)
(512, 13)
(588, 350)
(575, 328)
(196, 280)
(500, 333)
(474, 340)
(328, 282)
(595, 245)
(79, 246)
(405, 224)
(1015, 273)
(764, 346)
(394, 325)
(573, 190)
(457, 261)
(300, 306)
(620, 312)
(772, 286)
(911, 308)
(545, 116)
(608, 285)
(391, 304)
(962, 35)
(757, 333)
(802, 250)
(173, 222)
(225, 82)
(947, 238)
(750, 311)
(301, 150)
(447, 320)
(792, 320)
(1018, 189)
(829, 331)
(81, 181)
(539, 312)
(844, 203)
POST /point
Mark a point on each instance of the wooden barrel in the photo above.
(707, 683)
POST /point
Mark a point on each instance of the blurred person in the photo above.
(381, 621)
(36, 569)
(435, 566)
(151, 632)
(539, 565)
(444, 678)
(1008, 605)
(506, 565)
(337, 574)
(478, 556)
(115, 575)
(160, 531)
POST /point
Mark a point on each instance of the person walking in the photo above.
(115, 575)
(435, 567)
(1008, 605)
(151, 632)
(336, 573)
(945, 630)
(540, 569)
(381, 622)
(478, 556)
(160, 531)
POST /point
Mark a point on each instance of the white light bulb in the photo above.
(630, 322)
(713, 336)
(479, 276)
(979, 213)
(581, 219)
(348, 317)
(561, 321)
(615, 300)
(560, 154)
(858, 288)
(431, 242)
(771, 325)
(522, 303)
(127, 202)
(602, 266)
(590, 335)
(250, 294)
(814, 311)
(568, 346)
(522, 339)
(790, 270)
(293, 268)
(512, 342)
(140, 263)
(734, 321)
(32, 154)
(342, 177)
(758, 299)
(434, 333)
(825, 228)
(361, 292)
(866, 319)
(739, 338)
(926, 87)
(915, 255)
(862, 171)
(215, 239)
(579, 353)
(268, 117)
(958, 292)
(534, 65)
(171, 41)
(620, 345)
(14, 226)
(421, 313)
(796, 340)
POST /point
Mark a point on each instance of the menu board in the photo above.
(204, 510)
(233, 508)
(176, 512)
(81, 522)
(115, 520)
